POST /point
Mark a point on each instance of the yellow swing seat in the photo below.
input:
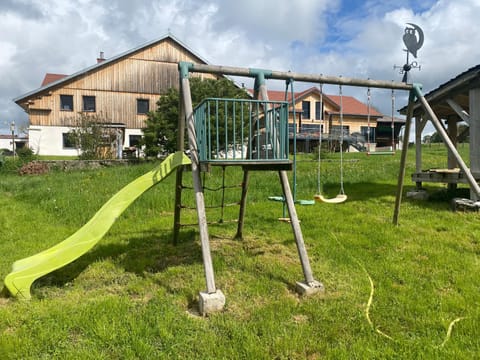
(340, 198)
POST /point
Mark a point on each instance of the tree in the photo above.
(436, 138)
(92, 137)
(160, 132)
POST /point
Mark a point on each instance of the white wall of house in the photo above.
(49, 140)
(5, 142)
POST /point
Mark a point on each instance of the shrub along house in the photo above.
(119, 92)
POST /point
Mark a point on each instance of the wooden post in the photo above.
(302, 251)
(179, 177)
(403, 158)
(452, 134)
(310, 78)
(243, 205)
(419, 125)
(474, 107)
(197, 186)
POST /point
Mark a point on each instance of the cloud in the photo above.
(348, 38)
(278, 21)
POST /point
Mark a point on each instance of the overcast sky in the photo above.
(349, 38)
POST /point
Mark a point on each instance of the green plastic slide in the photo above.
(26, 271)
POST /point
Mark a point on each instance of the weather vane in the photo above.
(413, 39)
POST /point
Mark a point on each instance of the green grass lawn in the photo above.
(392, 292)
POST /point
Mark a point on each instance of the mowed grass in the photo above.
(134, 296)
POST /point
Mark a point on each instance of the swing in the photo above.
(392, 151)
(341, 197)
(288, 83)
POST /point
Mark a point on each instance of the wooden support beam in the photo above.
(474, 188)
(179, 175)
(197, 186)
(243, 206)
(403, 159)
(419, 126)
(458, 109)
(452, 134)
(285, 75)
(302, 251)
(474, 105)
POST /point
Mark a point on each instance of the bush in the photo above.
(25, 154)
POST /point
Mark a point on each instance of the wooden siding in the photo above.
(145, 74)
(116, 107)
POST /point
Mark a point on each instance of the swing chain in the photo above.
(342, 191)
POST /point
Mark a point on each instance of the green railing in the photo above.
(230, 130)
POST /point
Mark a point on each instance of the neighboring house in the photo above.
(360, 124)
(121, 90)
(6, 142)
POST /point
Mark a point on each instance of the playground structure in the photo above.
(252, 134)
(266, 149)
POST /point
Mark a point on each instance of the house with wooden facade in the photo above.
(119, 91)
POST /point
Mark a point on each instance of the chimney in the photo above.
(101, 58)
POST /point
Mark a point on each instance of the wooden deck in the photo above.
(447, 176)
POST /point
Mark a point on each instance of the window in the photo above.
(68, 141)
(318, 111)
(364, 130)
(66, 102)
(134, 140)
(143, 106)
(306, 109)
(89, 103)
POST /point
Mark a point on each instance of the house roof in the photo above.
(9, 137)
(49, 78)
(53, 80)
(351, 106)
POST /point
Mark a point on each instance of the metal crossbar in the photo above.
(232, 130)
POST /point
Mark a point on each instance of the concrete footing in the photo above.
(311, 288)
(418, 194)
(460, 204)
(210, 303)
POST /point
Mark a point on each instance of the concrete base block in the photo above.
(210, 303)
(417, 195)
(305, 289)
(461, 204)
